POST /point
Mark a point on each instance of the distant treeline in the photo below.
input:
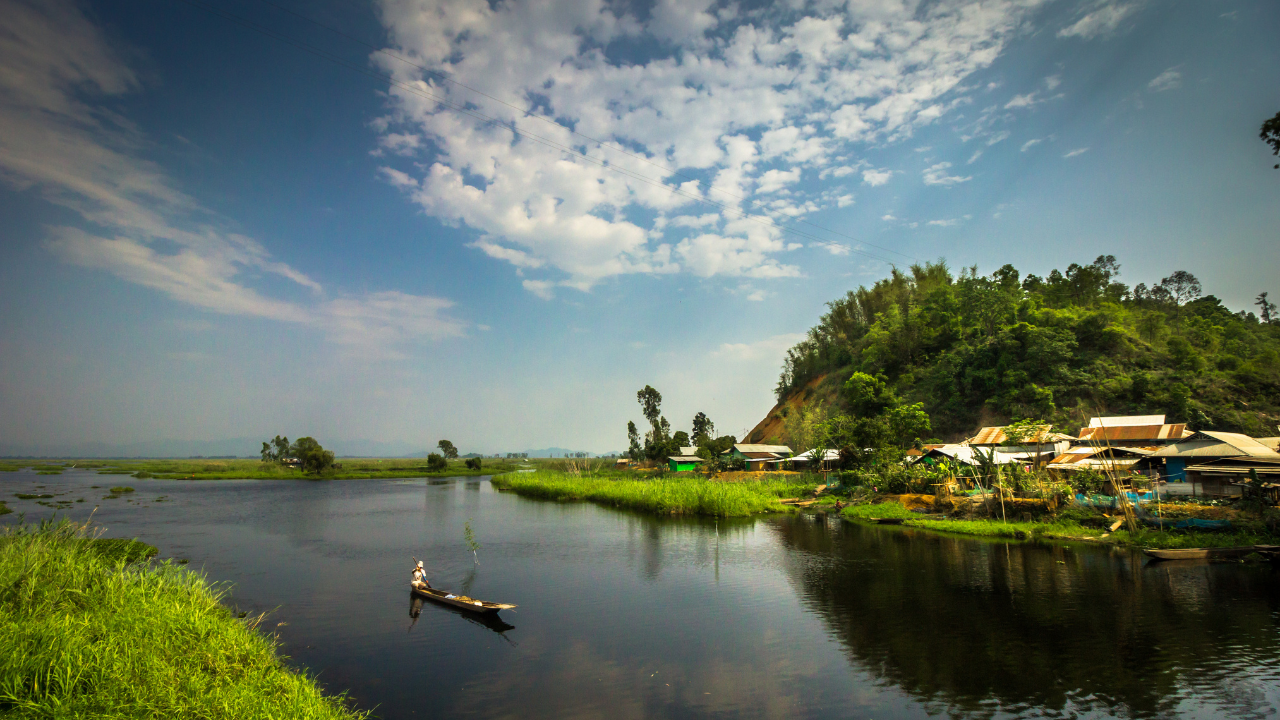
(1059, 348)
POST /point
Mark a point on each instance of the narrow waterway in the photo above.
(625, 616)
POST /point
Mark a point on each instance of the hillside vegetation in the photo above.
(983, 349)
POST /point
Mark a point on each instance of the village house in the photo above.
(687, 460)
(757, 457)
(992, 442)
(804, 461)
(1208, 462)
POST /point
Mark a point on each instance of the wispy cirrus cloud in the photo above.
(57, 139)
(937, 175)
(1168, 80)
(1102, 17)
(752, 104)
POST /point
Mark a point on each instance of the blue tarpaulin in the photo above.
(1189, 524)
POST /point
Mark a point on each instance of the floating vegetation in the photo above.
(49, 472)
(121, 489)
(691, 496)
(29, 496)
(115, 471)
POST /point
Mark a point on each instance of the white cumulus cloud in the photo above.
(812, 84)
(875, 178)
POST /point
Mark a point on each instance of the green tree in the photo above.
(1267, 309)
(275, 450)
(680, 439)
(703, 429)
(634, 451)
(1271, 134)
(436, 463)
(311, 456)
(802, 426)
(657, 442)
(447, 449)
(1182, 287)
(868, 396)
(650, 404)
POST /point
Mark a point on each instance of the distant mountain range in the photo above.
(234, 447)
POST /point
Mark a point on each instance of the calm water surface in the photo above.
(624, 615)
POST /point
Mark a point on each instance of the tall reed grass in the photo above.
(85, 634)
(664, 496)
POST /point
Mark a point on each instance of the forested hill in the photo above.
(980, 350)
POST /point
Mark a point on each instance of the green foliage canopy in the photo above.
(969, 348)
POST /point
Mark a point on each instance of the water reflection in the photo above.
(629, 615)
(969, 626)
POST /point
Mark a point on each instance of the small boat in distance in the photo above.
(462, 602)
(1211, 553)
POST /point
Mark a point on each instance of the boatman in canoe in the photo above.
(420, 575)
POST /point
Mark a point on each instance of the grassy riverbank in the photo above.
(86, 635)
(250, 469)
(1062, 528)
(662, 496)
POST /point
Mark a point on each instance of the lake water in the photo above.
(625, 616)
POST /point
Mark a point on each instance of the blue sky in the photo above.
(213, 231)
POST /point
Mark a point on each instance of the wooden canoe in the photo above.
(442, 597)
(1200, 553)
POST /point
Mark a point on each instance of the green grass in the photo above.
(87, 635)
(662, 496)
(1060, 529)
(4, 509)
(121, 489)
(248, 469)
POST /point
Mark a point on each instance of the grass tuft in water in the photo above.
(85, 634)
(121, 489)
(684, 496)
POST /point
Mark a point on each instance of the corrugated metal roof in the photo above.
(762, 455)
(1126, 420)
(1208, 443)
(1251, 447)
(1175, 431)
(685, 458)
(744, 449)
(1099, 463)
(687, 451)
(1271, 442)
(996, 436)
